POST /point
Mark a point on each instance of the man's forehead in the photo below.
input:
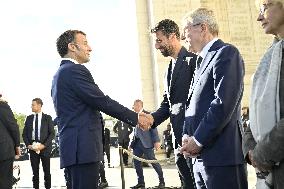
(80, 37)
(159, 34)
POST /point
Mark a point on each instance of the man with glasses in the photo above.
(211, 119)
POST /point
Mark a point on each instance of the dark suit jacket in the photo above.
(123, 134)
(46, 133)
(178, 93)
(213, 116)
(9, 132)
(77, 101)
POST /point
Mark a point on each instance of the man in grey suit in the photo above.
(9, 144)
(143, 143)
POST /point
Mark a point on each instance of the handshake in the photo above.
(145, 121)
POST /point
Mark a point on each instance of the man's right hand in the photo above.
(30, 147)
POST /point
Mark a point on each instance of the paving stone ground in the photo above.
(113, 174)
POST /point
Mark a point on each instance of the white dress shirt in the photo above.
(39, 125)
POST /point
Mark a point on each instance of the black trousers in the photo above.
(6, 173)
(35, 160)
(102, 172)
(84, 176)
(124, 144)
(185, 171)
(107, 151)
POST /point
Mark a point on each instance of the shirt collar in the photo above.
(70, 59)
(206, 48)
(40, 113)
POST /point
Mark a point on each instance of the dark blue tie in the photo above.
(36, 128)
(169, 76)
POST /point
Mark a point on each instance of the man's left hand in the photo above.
(190, 148)
(157, 145)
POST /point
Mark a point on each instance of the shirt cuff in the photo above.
(198, 143)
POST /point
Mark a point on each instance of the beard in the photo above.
(167, 51)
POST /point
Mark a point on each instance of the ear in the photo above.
(204, 27)
(71, 47)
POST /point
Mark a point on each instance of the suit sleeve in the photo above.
(270, 149)
(11, 123)
(84, 86)
(162, 113)
(228, 72)
(248, 143)
(51, 132)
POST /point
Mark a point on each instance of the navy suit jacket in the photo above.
(177, 94)
(213, 115)
(46, 132)
(77, 101)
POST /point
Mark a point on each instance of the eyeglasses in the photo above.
(264, 7)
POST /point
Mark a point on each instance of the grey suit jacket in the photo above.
(148, 138)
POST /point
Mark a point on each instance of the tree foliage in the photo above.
(21, 122)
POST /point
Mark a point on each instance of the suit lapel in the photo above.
(42, 125)
(205, 63)
(178, 66)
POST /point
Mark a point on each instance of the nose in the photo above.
(260, 17)
(157, 46)
(89, 48)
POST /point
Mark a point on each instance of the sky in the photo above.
(29, 59)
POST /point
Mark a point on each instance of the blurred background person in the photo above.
(168, 144)
(38, 134)
(103, 182)
(144, 143)
(123, 130)
(245, 117)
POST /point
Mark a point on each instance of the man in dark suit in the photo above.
(9, 144)
(106, 143)
(168, 142)
(77, 100)
(213, 115)
(38, 134)
(177, 83)
(123, 130)
(143, 143)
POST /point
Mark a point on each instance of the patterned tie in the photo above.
(36, 128)
(198, 62)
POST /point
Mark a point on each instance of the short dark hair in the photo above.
(138, 101)
(38, 101)
(167, 27)
(64, 39)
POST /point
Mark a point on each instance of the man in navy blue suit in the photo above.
(143, 143)
(212, 119)
(77, 100)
